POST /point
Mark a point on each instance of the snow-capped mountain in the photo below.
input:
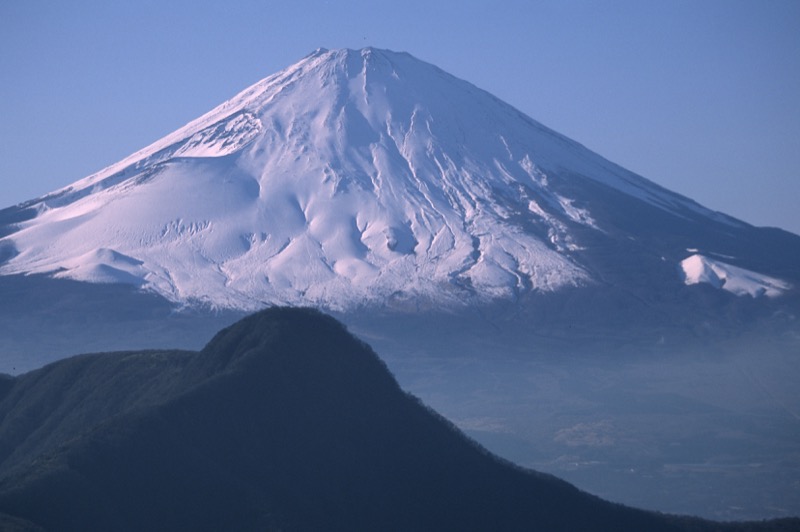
(364, 177)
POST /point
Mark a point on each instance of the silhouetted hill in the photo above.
(284, 421)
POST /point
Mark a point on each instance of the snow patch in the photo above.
(104, 266)
(700, 269)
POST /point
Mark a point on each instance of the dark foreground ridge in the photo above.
(284, 421)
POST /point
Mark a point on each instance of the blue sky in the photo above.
(698, 96)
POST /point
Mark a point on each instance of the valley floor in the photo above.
(710, 434)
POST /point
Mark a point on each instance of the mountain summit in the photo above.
(367, 177)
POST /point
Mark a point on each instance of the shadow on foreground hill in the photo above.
(284, 421)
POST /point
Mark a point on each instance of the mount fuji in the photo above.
(361, 179)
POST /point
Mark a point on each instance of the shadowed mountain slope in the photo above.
(284, 421)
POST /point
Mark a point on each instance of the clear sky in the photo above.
(700, 96)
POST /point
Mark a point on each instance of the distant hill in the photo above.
(284, 421)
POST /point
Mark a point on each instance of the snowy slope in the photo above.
(699, 269)
(350, 178)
